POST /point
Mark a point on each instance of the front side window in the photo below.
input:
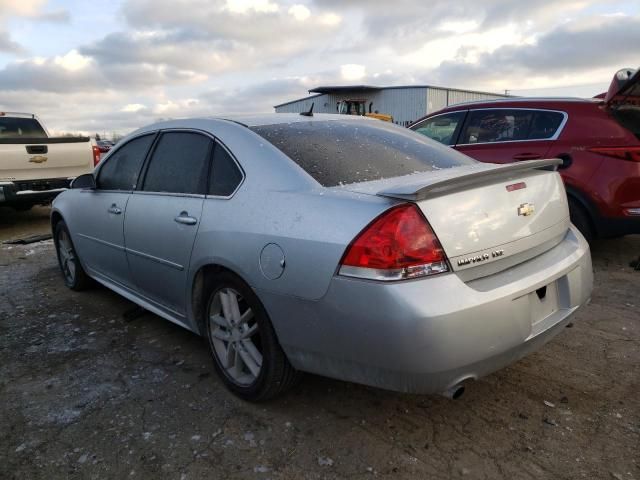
(505, 125)
(179, 164)
(441, 128)
(225, 173)
(121, 169)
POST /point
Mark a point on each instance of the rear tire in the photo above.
(245, 350)
(581, 219)
(74, 275)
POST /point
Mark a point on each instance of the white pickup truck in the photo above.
(35, 167)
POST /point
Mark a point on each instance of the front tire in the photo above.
(244, 346)
(74, 275)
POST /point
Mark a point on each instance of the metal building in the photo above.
(405, 103)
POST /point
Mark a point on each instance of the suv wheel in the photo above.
(580, 218)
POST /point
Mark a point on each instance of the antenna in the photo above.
(309, 113)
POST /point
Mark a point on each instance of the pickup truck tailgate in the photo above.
(53, 158)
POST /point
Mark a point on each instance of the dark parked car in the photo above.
(597, 139)
(104, 145)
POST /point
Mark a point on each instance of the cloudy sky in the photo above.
(109, 65)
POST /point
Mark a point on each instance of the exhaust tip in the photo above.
(454, 392)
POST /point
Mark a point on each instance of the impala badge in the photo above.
(526, 209)
(38, 159)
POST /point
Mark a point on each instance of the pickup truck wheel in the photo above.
(244, 346)
(74, 275)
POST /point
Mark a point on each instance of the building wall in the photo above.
(439, 98)
(303, 105)
(406, 105)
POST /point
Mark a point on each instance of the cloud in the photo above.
(32, 9)
(176, 58)
(74, 72)
(570, 51)
(352, 72)
(9, 46)
(25, 9)
(300, 12)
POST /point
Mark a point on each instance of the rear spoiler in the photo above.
(439, 186)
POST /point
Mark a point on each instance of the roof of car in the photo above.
(527, 100)
(255, 120)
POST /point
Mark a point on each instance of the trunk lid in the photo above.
(487, 217)
(624, 89)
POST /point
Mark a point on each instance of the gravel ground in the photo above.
(86, 392)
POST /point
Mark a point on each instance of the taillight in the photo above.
(625, 153)
(397, 245)
(96, 155)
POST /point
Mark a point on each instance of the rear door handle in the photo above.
(115, 209)
(185, 219)
(527, 156)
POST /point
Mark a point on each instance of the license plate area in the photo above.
(543, 302)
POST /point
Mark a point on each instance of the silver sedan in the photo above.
(346, 247)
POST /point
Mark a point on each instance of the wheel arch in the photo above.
(582, 200)
(200, 284)
(56, 217)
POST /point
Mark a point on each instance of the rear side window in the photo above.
(179, 164)
(225, 173)
(21, 127)
(629, 118)
(340, 152)
(441, 128)
(120, 172)
(504, 125)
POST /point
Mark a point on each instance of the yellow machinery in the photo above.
(359, 107)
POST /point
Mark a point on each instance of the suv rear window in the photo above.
(339, 152)
(12, 127)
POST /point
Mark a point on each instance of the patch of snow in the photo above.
(325, 461)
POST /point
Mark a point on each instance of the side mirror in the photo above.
(86, 181)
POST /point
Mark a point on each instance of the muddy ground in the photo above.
(87, 393)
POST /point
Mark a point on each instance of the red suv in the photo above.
(597, 139)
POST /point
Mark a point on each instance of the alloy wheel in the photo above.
(67, 257)
(235, 336)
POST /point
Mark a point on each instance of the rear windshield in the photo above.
(21, 127)
(339, 152)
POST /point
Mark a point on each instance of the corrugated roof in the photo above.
(372, 88)
(345, 88)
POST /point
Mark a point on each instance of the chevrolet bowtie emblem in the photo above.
(526, 209)
(38, 159)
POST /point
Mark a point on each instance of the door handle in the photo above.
(527, 156)
(115, 209)
(185, 219)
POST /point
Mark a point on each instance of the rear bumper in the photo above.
(31, 192)
(427, 335)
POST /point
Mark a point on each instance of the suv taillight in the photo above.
(625, 153)
(397, 245)
(96, 155)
